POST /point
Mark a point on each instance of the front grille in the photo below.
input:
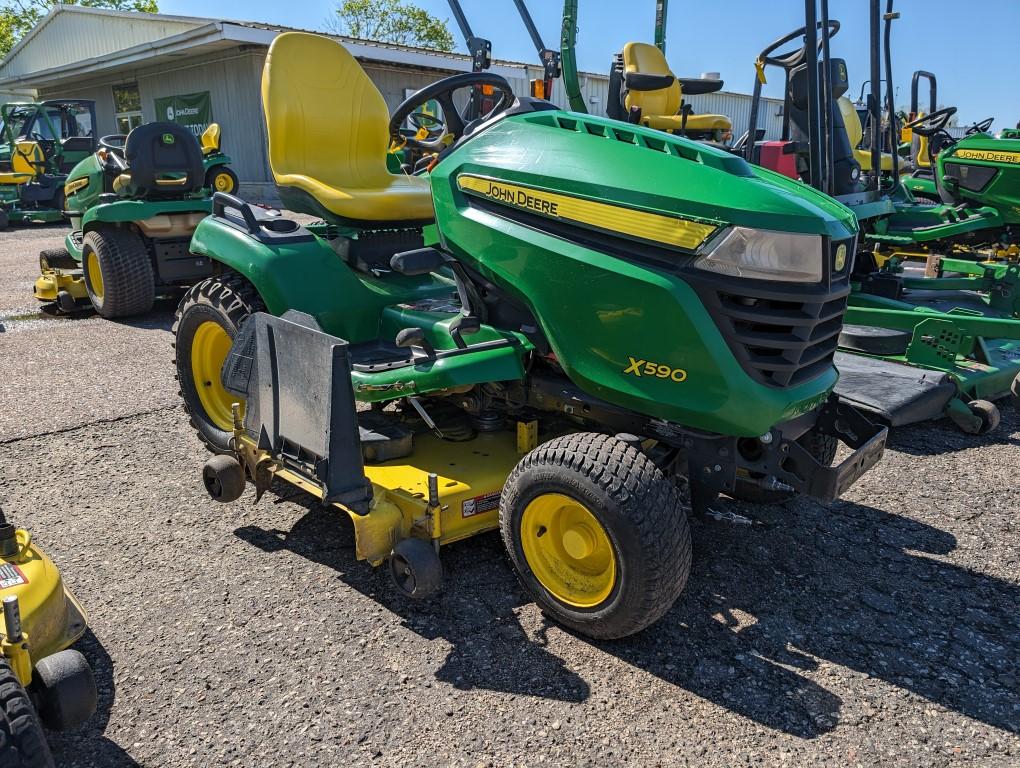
(783, 334)
(781, 342)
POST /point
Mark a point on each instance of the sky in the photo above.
(967, 45)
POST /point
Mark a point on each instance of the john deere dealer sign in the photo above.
(193, 110)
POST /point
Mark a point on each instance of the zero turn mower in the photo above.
(41, 677)
(643, 89)
(960, 331)
(133, 206)
(39, 144)
(571, 329)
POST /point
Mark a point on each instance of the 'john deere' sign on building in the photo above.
(193, 110)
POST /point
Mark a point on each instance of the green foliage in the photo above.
(391, 21)
(18, 16)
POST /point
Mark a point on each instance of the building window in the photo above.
(128, 107)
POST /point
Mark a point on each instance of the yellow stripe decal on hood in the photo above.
(654, 227)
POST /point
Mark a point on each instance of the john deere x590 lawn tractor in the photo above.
(39, 144)
(572, 329)
(133, 206)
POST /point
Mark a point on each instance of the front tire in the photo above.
(208, 318)
(597, 534)
(118, 273)
(22, 743)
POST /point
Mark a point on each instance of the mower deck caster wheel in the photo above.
(66, 302)
(224, 478)
(65, 690)
(987, 415)
(416, 568)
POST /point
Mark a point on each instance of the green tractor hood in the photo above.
(591, 227)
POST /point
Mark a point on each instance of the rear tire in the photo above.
(597, 534)
(118, 273)
(225, 302)
(57, 258)
(22, 743)
(822, 447)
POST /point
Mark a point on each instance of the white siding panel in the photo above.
(70, 37)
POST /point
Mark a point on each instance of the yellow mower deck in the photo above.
(470, 474)
(53, 281)
(51, 617)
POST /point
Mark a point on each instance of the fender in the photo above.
(137, 210)
(309, 276)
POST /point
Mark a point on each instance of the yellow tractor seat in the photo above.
(855, 132)
(919, 150)
(660, 107)
(27, 162)
(328, 129)
(211, 139)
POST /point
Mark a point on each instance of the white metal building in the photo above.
(130, 62)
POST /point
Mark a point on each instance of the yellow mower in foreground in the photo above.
(42, 681)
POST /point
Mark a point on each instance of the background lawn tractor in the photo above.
(39, 145)
(642, 87)
(41, 678)
(219, 177)
(915, 347)
(133, 206)
(572, 329)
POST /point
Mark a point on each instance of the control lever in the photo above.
(415, 337)
(465, 324)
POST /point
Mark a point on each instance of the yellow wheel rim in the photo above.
(223, 183)
(568, 550)
(95, 274)
(209, 349)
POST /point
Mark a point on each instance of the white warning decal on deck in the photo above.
(11, 576)
(479, 504)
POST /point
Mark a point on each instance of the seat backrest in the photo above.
(28, 157)
(647, 59)
(211, 139)
(164, 160)
(851, 120)
(919, 149)
(324, 116)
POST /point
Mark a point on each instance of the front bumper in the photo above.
(779, 461)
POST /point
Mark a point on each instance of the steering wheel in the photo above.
(114, 143)
(981, 127)
(793, 58)
(453, 122)
(929, 125)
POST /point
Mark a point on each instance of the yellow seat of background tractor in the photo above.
(328, 129)
(659, 108)
(26, 163)
(211, 139)
(855, 132)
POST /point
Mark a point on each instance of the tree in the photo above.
(18, 16)
(391, 21)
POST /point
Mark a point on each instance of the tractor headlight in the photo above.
(765, 255)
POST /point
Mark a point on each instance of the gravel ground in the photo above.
(878, 630)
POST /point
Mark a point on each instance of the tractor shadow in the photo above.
(474, 612)
(933, 438)
(87, 745)
(848, 586)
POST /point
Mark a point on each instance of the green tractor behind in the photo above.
(570, 329)
(133, 206)
(39, 144)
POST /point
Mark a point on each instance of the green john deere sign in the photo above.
(193, 110)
